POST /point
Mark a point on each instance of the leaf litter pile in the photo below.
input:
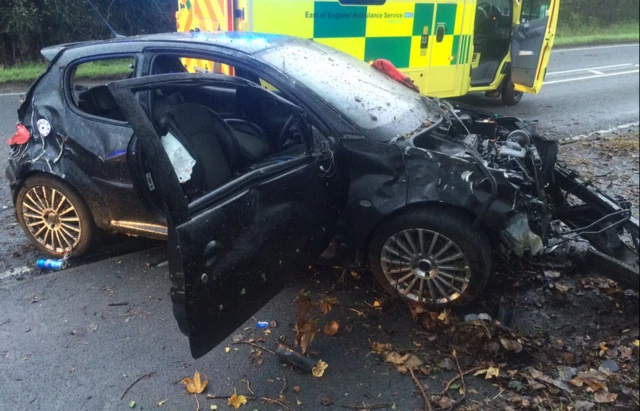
(542, 339)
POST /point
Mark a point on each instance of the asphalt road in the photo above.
(54, 357)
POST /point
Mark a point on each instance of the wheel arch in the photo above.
(75, 180)
(422, 206)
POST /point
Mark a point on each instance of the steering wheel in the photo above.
(485, 6)
(284, 133)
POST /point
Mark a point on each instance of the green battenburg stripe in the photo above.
(395, 49)
(465, 50)
(423, 16)
(454, 50)
(446, 14)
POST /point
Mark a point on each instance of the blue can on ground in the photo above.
(54, 265)
(262, 324)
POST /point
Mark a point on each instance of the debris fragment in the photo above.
(289, 355)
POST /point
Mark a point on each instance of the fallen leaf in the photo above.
(511, 345)
(562, 288)
(318, 370)
(132, 404)
(603, 349)
(412, 363)
(213, 407)
(584, 405)
(604, 397)
(161, 403)
(444, 316)
(331, 328)
(236, 401)
(327, 304)
(195, 386)
(594, 380)
(395, 358)
(489, 372)
(380, 348)
(273, 324)
(415, 311)
(305, 333)
(296, 389)
(298, 402)
(637, 343)
(227, 349)
(377, 305)
(442, 401)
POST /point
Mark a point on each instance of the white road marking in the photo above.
(589, 68)
(596, 72)
(13, 94)
(592, 77)
(606, 131)
(615, 46)
(14, 272)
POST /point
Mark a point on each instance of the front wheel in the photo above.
(432, 257)
(54, 217)
(508, 93)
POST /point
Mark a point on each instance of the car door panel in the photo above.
(227, 277)
(233, 249)
(531, 47)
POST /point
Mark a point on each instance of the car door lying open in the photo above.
(248, 202)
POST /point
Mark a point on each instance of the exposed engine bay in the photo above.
(553, 212)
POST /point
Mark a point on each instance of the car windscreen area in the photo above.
(214, 134)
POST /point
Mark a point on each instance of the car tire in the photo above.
(404, 268)
(508, 93)
(54, 217)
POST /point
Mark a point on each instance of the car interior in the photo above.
(228, 130)
(492, 39)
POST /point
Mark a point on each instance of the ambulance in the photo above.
(447, 47)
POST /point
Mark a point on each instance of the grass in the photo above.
(118, 68)
(575, 35)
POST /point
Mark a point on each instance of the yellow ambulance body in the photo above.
(448, 47)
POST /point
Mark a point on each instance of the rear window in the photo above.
(87, 85)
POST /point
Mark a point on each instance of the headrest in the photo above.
(103, 99)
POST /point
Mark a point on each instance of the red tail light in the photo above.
(21, 136)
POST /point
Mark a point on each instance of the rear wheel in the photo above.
(431, 257)
(54, 217)
(508, 93)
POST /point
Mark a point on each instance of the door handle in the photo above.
(440, 32)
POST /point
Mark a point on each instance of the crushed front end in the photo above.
(510, 178)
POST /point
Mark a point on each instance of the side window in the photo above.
(87, 83)
(173, 63)
(534, 10)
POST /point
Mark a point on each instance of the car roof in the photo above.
(245, 42)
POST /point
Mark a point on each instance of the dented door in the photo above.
(532, 43)
(233, 249)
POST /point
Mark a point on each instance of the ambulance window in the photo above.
(534, 9)
(362, 2)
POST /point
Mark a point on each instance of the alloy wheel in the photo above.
(425, 266)
(51, 219)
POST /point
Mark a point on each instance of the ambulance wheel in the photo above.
(510, 97)
(54, 217)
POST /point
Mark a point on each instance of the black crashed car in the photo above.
(287, 150)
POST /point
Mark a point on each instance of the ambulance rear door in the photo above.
(532, 42)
